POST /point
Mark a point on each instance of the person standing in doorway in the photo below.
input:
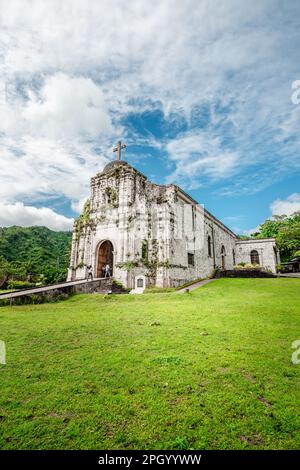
(107, 271)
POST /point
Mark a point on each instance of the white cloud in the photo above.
(67, 107)
(40, 169)
(71, 71)
(47, 147)
(286, 207)
(199, 156)
(27, 216)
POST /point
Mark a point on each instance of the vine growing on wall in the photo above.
(128, 265)
(112, 196)
(83, 219)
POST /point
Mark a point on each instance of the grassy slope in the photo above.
(214, 371)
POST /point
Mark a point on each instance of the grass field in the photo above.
(210, 369)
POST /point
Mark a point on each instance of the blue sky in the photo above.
(200, 91)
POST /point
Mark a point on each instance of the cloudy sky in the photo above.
(200, 91)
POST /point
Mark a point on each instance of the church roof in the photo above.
(113, 164)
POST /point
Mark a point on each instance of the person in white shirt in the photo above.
(107, 271)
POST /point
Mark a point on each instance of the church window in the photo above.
(191, 259)
(209, 245)
(194, 217)
(233, 257)
(145, 250)
(254, 256)
(223, 254)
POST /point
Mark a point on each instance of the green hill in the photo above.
(37, 250)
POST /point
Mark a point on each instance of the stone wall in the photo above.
(266, 248)
(197, 226)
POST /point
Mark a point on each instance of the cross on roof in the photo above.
(118, 149)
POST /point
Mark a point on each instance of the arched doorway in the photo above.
(223, 254)
(104, 256)
(254, 257)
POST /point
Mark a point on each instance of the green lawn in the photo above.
(211, 369)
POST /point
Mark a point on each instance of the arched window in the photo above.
(233, 257)
(223, 254)
(254, 256)
(209, 245)
(145, 250)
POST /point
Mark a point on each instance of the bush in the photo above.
(255, 267)
(15, 285)
(118, 284)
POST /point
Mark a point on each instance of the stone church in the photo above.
(154, 235)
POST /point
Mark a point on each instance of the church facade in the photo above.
(156, 234)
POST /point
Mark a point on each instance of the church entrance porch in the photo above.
(104, 256)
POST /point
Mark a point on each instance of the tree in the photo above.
(286, 231)
(5, 270)
(30, 254)
(288, 241)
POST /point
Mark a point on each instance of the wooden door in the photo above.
(105, 256)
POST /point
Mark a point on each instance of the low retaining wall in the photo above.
(245, 273)
(100, 286)
(57, 292)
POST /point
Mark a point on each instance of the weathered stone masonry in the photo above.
(159, 231)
